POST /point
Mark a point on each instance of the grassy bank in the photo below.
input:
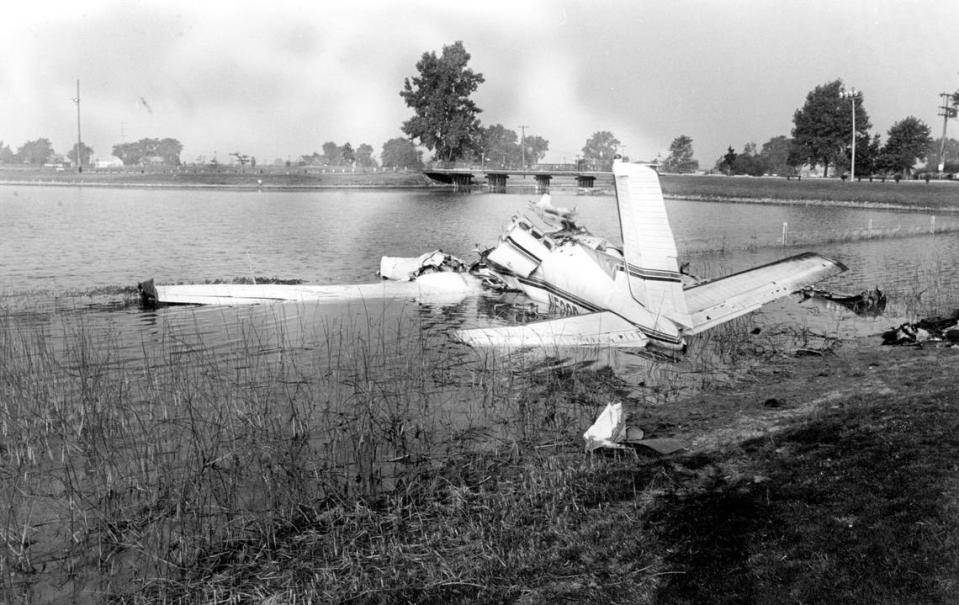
(939, 196)
(188, 476)
(271, 178)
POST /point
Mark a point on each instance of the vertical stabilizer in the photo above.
(648, 244)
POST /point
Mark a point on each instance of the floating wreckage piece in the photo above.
(869, 303)
(610, 431)
(408, 269)
(933, 330)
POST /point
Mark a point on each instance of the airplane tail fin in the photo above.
(648, 244)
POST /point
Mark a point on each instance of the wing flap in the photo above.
(721, 300)
(591, 329)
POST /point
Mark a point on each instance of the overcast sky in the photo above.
(277, 79)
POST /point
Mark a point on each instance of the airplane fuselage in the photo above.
(574, 273)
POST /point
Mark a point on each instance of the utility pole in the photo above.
(946, 110)
(522, 144)
(851, 95)
(79, 143)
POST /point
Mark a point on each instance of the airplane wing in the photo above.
(601, 329)
(714, 302)
(430, 287)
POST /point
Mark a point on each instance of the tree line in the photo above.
(822, 135)
(40, 151)
(446, 120)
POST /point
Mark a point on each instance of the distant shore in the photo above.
(913, 195)
(250, 179)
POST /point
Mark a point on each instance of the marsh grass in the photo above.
(362, 459)
(189, 471)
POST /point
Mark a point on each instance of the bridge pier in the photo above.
(462, 181)
(585, 181)
(542, 183)
(497, 182)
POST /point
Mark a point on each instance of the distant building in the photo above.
(110, 162)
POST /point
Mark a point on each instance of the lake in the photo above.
(70, 253)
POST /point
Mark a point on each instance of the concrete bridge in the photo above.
(462, 176)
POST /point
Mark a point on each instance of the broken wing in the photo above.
(714, 302)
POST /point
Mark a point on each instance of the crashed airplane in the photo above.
(634, 296)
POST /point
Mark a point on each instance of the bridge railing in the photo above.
(472, 166)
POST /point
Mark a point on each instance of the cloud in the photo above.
(279, 79)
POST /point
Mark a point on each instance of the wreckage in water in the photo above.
(629, 296)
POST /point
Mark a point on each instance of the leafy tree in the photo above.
(822, 127)
(749, 162)
(242, 158)
(85, 154)
(400, 153)
(347, 153)
(331, 154)
(364, 156)
(140, 152)
(600, 149)
(6, 155)
(776, 157)
(536, 148)
(446, 118)
(680, 158)
(499, 146)
(727, 162)
(908, 141)
(868, 156)
(35, 152)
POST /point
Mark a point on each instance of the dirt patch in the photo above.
(844, 491)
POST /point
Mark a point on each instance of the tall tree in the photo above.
(536, 148)
(364, 156)
(85, 154)
(822, 128)
(6, 155)
(599, 150)
(332, 155)
(726, 163)
(868, 154)
(446, 119)
(140, 152)
(499, 146)
(908, 142)
(347, 153)
(35, 152)
(680, 158)
(775, 156)
(400, 153)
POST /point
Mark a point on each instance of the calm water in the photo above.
(59, 240)
(69, 252)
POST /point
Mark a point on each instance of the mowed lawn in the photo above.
(919, 195)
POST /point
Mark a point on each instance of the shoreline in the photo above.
(940, 197)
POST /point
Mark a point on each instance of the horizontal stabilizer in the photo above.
(714, 302)
(593, 329)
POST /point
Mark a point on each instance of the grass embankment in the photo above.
(939, 196)
(270, 178)
(188, 477)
